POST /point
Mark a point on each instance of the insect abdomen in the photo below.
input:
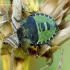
(38, 28)
(46, 27)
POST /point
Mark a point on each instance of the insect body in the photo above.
(37, 29)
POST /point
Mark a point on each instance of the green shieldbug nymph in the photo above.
(37, 29)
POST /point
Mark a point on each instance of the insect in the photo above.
(37, 29)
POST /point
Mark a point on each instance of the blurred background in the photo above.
(37, 64)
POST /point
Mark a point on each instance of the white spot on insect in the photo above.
(35, 14)
(37, 42)
(45, 41)
(48, 16)
(49, 39)
(40, 14)
(52, 36)
(41, 42)
(44, 15)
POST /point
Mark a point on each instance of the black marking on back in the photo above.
(54, 35)
(19, 33)
(43, 42)
(51, 38)
(37, 14)
(32, 32)
(42, 14)
(42, 26)
(39, 42)
(47, 40)
(39, 27)
(50, 17)
(32, 15)
(46, 15)
(48, 26)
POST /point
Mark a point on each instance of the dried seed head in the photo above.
(48, 6)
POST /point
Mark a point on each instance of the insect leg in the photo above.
(26, 51)
(60, 61)
(20, 38)
(48, 63)
(53, 48)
